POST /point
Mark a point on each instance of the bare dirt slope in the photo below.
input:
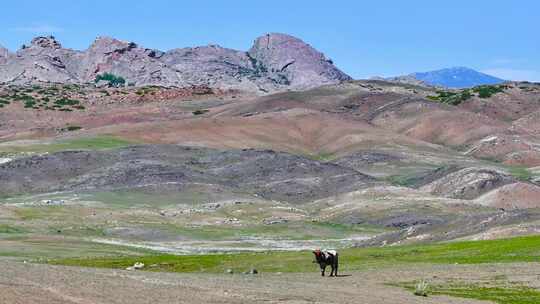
(272, 175)
(30, 283)
(335, 143)
(336, 119)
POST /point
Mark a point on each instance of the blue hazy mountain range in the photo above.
(457, 77)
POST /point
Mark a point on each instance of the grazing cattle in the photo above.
(327, 258)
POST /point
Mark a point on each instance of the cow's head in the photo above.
(319, 257)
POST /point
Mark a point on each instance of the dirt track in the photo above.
(30, 283)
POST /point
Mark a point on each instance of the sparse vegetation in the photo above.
(399, 180)
(521, 173)
(72, 128)
(146, 90)
(323, 156)
(200, 112)
(486, 91)
(459, 96)
(66, 102)
(7, 229)
(452, 98)
(39, 98)
(505, 293)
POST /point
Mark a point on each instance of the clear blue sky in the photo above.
(364, 38)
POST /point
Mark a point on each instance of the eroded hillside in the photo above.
(201, 169)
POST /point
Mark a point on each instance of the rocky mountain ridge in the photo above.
(276, 62)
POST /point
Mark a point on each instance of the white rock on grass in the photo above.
(5, 160)
(136, 266)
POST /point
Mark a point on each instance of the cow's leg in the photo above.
(323, 269)
(335, 269)
(332, 270)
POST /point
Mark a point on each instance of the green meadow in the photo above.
(520, 249)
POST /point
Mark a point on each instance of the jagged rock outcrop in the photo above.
(137, 65)
(275, 62)
(291, 61)
(212, 65)
(4, 53)
(46, 43)
(44, 60)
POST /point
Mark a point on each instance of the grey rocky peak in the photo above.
(276, 62)
(294, 61)
(109, 45)
(43, 60)
(109, 55)
(46, 42)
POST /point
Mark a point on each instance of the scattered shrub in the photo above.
(114, 81)
(421, 289)
(457, 97)
(199, 112)
(29, 104)
(146, 90)
(452, 98)
(66, 102)
(72, 128)
(486, 91)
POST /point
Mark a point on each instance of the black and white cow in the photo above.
(327, 258)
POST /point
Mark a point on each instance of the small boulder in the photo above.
(136, 266)
(102, 84)
(274, 220)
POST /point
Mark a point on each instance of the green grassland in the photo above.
(86, 143)
(74, 220)
(521, 249)
(502, 295)
(40, 249)
(497, 292)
